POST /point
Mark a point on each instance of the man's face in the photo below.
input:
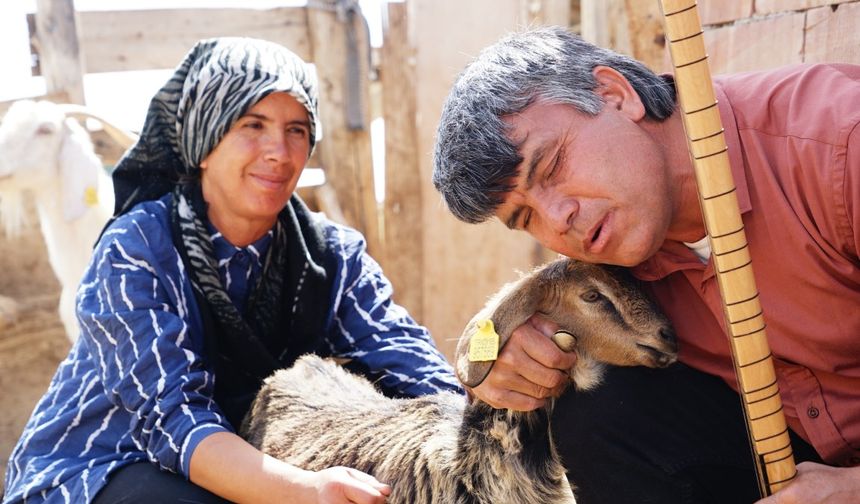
(594, 188)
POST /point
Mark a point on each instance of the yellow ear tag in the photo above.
(484, 345)
(91, 196)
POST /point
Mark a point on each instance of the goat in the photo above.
(441, 448)
(49, 157)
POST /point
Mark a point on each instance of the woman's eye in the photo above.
(590, 296)
(253, 125)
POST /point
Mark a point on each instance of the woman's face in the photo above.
(250, 175)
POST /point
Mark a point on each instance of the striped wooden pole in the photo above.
(745, 324)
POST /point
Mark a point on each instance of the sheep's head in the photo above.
(610, 318)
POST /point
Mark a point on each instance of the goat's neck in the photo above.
(65, 239)
(512, 453)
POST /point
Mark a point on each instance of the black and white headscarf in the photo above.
(217, 82)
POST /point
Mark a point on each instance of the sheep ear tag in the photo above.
(91, 196)
(484, 344)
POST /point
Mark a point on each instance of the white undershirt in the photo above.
(701, 248)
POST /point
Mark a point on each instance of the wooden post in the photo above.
(345, 150)
(631, 27)
(403, 204)
(122, 40)
(61, 61)
(462, 264)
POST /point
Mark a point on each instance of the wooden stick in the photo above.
(745, 324)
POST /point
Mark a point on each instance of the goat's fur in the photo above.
(8, 312)
(438, 448)
(49, 158)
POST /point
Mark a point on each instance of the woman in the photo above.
(212, 275)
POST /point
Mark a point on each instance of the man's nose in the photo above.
(559, 212)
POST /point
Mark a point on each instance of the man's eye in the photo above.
(253, 125)
(527, 219)
(559, 159)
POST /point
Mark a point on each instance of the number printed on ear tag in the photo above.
(484, 345)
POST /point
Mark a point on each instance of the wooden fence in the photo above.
(740, 35)
(442, 270)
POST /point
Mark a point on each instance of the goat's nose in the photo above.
(665, 359)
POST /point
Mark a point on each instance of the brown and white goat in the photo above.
(438, 448)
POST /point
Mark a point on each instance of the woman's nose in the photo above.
(277, 147)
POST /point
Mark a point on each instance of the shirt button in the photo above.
(812, 412)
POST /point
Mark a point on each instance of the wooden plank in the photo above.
(61, 97)
(545, 12)
(720, 11)
(604, 23)
(832, 35)
(462, 263)
(345, 151)
(647, 35)
(630, 27)
(750, 46)
(403, 205)
(774, 6)
(116, 41)
(61, 61)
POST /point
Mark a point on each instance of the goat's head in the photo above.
(40, 148)
(31, 135)
(610, 318)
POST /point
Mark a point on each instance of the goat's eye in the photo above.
(45, 129)
(591, 296)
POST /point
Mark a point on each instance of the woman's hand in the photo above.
(529, 369)
(228, 466)
(820, 484)
(342, 485)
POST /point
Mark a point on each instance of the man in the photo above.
(585, 150)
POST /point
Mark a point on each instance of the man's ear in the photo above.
(617, 92)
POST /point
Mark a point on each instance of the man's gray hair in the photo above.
(475, 163)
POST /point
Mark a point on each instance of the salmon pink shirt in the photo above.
(794, 146)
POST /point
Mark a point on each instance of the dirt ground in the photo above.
(32, 346)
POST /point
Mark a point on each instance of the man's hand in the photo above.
(819, 484)
(529, 369)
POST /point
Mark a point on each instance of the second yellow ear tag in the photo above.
(91, 196)
(484, 345)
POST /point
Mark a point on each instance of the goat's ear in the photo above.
(78, 166)
(508, 309)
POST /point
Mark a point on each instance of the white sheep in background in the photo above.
(49, 158)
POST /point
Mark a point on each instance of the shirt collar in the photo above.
(674, 256)
(224, 250)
